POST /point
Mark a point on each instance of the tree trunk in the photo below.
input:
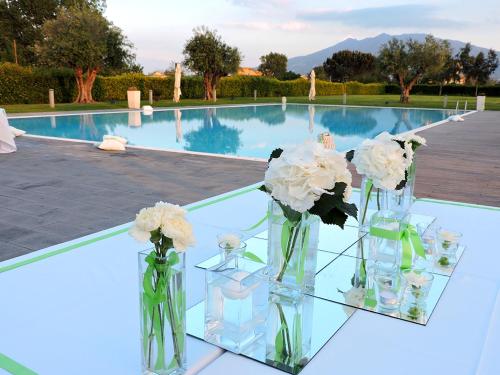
(440, 88)
(207, 83)
(405, 96)
(477, 87)
(84, 85)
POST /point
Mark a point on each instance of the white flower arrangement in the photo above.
(382, 160)
(164, 224)
(301, 174)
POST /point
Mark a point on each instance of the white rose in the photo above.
(167, 217)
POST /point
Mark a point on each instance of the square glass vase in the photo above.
(292, 252)
(289, 332)
(162, 295)
(401, 200)
(236, 303)
(385, 249)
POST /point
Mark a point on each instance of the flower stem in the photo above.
(173, 324)
(289, 251)
(366, 204)
(378, 199)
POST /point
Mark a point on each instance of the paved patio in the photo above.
(54, 191)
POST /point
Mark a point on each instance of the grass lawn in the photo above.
(417, 101)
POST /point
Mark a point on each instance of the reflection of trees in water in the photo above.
(348, 121)
(271, 115)
(213, 137)
(403, 122)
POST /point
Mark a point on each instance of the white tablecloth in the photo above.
(76, 312)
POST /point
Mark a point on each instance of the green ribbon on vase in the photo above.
(409, 240)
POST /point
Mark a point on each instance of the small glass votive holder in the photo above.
(417, 283)
(231, 244)
(417, 287)
(236, 303)
(447, 247)
(388, 288)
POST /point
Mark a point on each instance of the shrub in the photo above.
(31, 85)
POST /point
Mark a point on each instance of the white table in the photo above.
(73, 308)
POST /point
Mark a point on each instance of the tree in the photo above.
(119, 57)
(346, 65)
(82, 46)
(407, 62)
(273, 65)
(290, 76)
(477, 70)
(206, 54)
(320, 73)
(449, 73)
(21, 24)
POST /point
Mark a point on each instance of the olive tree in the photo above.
(273, 65)
(206, 54)
(80, 38)
(408, 61)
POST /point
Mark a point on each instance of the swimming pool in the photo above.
(248, 131)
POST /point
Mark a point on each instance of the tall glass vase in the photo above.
(292, 251)
(401, 200)
(163, 312)
(370, 203)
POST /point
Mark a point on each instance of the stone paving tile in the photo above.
(9, 250)
(61, 190)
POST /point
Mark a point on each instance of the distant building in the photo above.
(157, 74)
(248, 72)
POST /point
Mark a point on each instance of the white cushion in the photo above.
(111, 145)
(122, 140)
(455, 118)
(147, 108)
(17, 132)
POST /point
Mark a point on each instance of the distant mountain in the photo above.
(304, 64)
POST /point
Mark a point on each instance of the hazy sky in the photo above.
(159, 28)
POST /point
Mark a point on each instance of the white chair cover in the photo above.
(7, 143)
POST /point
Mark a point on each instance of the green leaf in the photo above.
(289, 213)
(155, 236)
(173, 258)
(252, 256)
(332, 209)
(349, 155)
(275, 154)
(286, 230)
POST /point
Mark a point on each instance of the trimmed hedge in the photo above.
(26, 85)
(30, 85)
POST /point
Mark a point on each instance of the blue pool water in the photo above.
(249, 131)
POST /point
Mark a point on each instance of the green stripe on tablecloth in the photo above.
(112, 234)
(13, 367)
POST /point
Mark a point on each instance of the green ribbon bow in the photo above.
(409, 239)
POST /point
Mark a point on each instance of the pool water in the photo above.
(248, 131)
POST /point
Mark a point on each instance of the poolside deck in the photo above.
(54, 191)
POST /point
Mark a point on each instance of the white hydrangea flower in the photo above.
(381, 160)
(229, 241)
(304, 172)
(408, 140)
